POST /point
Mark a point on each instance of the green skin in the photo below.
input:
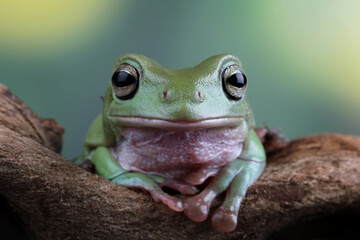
(183, 105)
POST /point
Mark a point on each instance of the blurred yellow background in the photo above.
(302, 58)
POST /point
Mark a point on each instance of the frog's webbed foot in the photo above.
(236, 176)
(138, 180)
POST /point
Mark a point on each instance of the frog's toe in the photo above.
(224, 220)
(196, 209)
(172, 202)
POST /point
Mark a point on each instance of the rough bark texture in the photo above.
(310, 177)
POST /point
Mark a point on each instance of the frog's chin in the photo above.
(231, 121)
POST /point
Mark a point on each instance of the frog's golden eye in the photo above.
(125, 81)
(234, 82)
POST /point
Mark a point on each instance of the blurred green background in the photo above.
(302, 58)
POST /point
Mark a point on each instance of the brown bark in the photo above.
(310, 177)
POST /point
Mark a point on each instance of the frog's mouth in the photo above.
(231, 121)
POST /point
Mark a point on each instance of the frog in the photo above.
(189, 130)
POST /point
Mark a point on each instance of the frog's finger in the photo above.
(183, 188)
(197, 207)
(198, 177)
(225, 217)
(180, 186)
(145, 182)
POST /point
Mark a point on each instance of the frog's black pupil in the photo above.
(123, 79)
(237, 80)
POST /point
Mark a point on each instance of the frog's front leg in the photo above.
(107, 167)
(225, 217)
(235, 177)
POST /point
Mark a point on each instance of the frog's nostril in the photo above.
(168, 96)
(196, 97)
(199, 97)
(165, 94)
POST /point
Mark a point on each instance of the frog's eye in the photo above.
(234, 82)
(125, 81)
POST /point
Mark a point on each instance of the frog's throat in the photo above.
(232, 121)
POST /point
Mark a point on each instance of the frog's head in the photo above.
(210, 94)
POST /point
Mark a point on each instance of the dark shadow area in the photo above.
(337, 226)
(343, 226)
(11, 226)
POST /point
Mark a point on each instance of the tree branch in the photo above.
(310, 177)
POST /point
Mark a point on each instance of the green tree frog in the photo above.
(179, 129)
